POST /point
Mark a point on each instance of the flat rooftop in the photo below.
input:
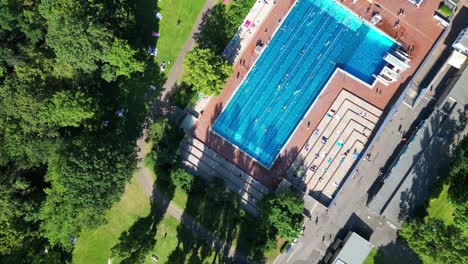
(354, 251)
(409, 182)
(417, 31)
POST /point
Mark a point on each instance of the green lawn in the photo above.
(179, 245)
(376, 256)
(371, 258)
(272, 254)
(93, 246)
(173, 37)
(440, 207)
(179, 198)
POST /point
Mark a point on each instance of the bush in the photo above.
(184, 96)
(284, 247)
(166, 138)
(182, 179)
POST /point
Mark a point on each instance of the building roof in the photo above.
(408, 184)
(461, 43)
(355, 250)
(457, 59)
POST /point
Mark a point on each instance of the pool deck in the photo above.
(417, 29)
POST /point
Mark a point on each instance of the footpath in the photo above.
(144, 175)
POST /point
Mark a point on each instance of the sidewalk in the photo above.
(177, 69)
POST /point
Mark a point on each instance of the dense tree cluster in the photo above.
(432, 239)
(65, 155)
(435, 241)
(282, 213)
(222, 23)
(206, 71)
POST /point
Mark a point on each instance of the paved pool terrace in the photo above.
(417, 30)
(316, 38)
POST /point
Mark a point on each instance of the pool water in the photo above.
(315, 39)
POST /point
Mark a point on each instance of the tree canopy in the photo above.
(86, 177)
(435, 240)
(222, 23)
(283, 212)
(66, 68)
(206, 71)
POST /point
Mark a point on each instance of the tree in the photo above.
(182, 179)
(222, 23)
(206, 71)
(457, 194)
(165, 138)
(458, 173)
(14, 228)
(20, 242)
(87, 176)
(236, 15)
(121, 61)
(213, 34)
(436, 241)
(76, 38)
(66, 108)
(282, 212)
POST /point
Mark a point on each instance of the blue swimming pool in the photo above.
(315, 39)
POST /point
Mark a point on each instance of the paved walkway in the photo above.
(178, 67)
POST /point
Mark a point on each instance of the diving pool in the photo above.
(314, 39)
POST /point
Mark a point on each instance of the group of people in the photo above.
(154, 51)
(162, 65)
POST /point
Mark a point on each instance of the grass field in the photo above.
(179, 197)
(179, 245)
(94, 246)
(173, 36)
(440, 207)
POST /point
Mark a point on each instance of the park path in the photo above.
(145, 178)
(178, 67)
(163, 107)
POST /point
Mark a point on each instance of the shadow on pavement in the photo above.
(395, 253)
